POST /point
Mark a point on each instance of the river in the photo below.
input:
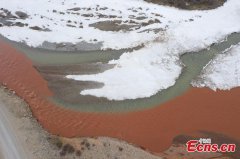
(193, 62)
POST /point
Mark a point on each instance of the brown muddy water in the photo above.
(196, 110)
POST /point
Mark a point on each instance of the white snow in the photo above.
(223, 72)
(141, 73)
(136, 75)
(145, 72)
(42, 15)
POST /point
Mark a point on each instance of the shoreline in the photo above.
(39, 144)
(28, 130)
(171, 118)
(22, 129)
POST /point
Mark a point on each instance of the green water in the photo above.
(194, 62)
(51, 57)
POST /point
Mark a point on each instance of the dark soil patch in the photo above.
(39, 28)
(21, 15)
(191, 4)
(115, 25)
(118, 25)
(7, 17)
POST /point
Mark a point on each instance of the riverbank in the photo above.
(39, 144)
(28, 140)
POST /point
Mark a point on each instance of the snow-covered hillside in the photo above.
(223, 72)
(165, 32)
(122, 24)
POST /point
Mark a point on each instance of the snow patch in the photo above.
(223, 72)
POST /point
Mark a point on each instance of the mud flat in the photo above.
(196, 111)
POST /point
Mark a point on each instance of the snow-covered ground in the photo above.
(223, 72)
(69, 20)
(156, 67)
(138, 74)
